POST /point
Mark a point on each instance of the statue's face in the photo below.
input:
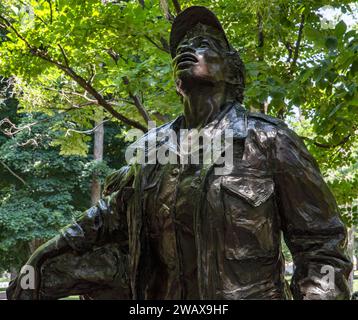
(199, 59)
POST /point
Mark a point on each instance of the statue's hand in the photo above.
(15, 292)
(26, 286)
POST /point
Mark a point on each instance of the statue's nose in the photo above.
(185, 48)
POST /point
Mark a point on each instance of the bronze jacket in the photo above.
(275, 189)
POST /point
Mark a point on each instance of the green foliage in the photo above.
(45, 200)
(56, 189)
(300, 63)
(72, 144)
(304, 71)
(40, 190)
(92, 35)
(97, 168)
(344, 184)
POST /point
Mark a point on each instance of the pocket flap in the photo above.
(254, 190)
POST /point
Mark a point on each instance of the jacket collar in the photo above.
(233, 116)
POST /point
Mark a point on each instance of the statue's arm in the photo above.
(310, 223)
(103, 223)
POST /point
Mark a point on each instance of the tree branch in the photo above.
(84, 96)
(298, 42)
(114, 55)
(165, 8)
(162, 48)
(64, 55)
(260, 33)
(77, 78)
(13, 173)
(260, 46)
(73, 93)
(92, 73)
(87, 131)
(137, 102)
(13, 129)
(165, 44)
(289, 49)
(176, 6)
(9, 25)
(328, 146)
(288, 46)
(51, 12)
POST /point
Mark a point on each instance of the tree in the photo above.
(70, 54)
(92, 61)
(40, 191)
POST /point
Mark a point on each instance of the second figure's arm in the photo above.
(103, 223)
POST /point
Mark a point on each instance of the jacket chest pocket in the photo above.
(249, 217)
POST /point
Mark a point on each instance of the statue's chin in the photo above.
(190, 78)
(185, 74)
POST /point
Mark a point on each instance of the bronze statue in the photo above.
(180, 231)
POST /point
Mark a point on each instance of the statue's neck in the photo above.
(202, 104)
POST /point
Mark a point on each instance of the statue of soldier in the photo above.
(180, 231)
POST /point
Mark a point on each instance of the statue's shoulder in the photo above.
(258, 116)
(118, 179)
(280, 129)
(158, 130)
(268, 119)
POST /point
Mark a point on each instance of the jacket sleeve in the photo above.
(102, 228)
(310, 223)
(106, 221)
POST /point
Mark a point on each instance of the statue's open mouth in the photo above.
(186, 60)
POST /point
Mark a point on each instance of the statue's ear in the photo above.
(178, 92)
(177, 89)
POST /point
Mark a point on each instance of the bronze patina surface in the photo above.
(178, 231)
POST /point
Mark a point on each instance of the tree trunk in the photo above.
(260, 52)
(97, 155)
(34, 244)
